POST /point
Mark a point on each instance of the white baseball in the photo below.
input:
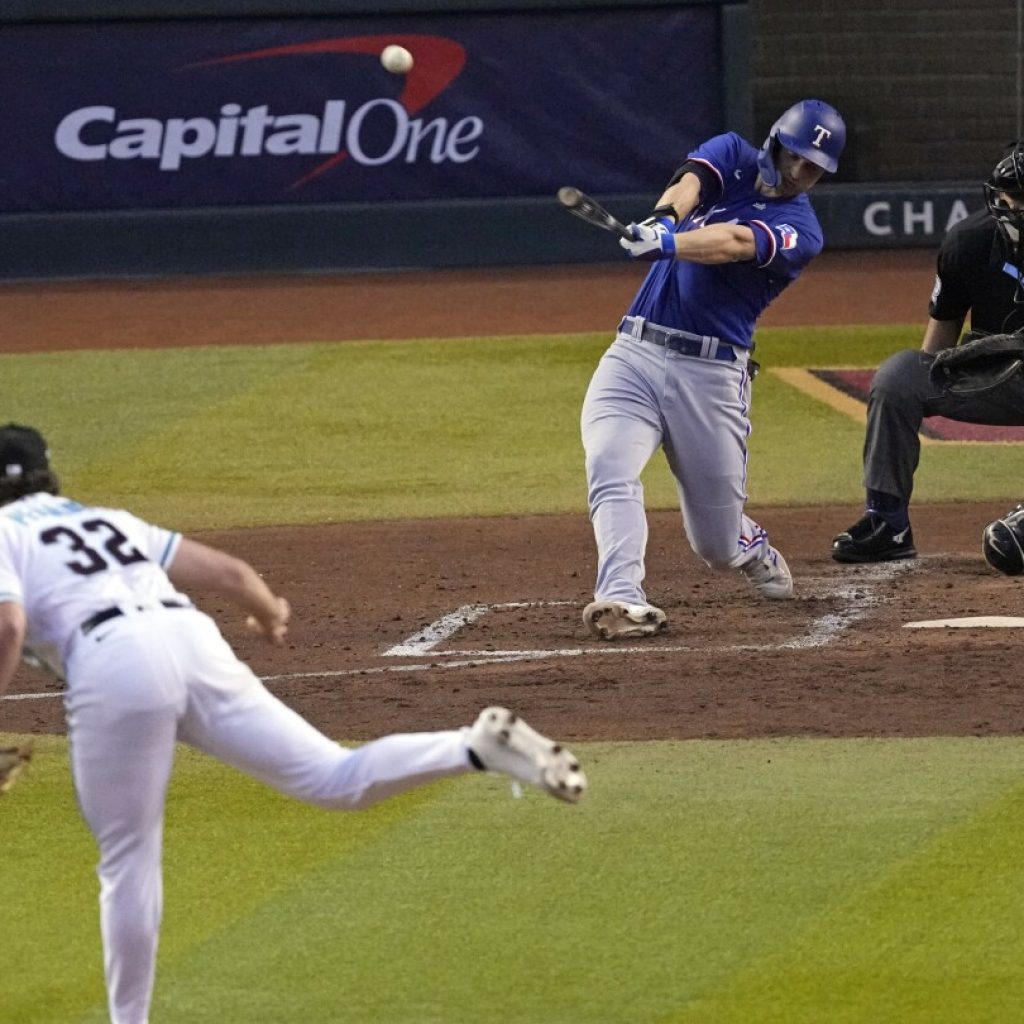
(397, 59)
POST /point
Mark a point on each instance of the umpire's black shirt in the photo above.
(976, 275)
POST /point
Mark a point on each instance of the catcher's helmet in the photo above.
(811, 129)
(1007, 180)
(22, 450)
(1002, 543)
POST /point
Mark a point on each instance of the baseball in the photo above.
(397, 59)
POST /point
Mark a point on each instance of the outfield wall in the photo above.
(163, 138)
(416, 235)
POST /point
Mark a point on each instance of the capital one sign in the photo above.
(373, 133)
(96, 133)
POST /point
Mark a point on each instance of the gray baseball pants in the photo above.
(642, 397)
(902, 395)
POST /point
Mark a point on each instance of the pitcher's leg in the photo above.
(261, 736)
(243, 724)
(621, 430)
(121, 767)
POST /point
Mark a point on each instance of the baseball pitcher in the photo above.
(145, 668)
(733, 228)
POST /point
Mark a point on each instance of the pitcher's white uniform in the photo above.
(144, 668)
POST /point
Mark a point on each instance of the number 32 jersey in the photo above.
(63, 562)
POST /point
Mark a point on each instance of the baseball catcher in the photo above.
(973, 379)
(1002, 543)
(12, 763)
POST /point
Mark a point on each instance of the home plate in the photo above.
(990, 621)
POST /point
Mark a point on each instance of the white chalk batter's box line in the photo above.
(857, 594)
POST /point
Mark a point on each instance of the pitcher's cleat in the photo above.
(770, 576)
(616, 620)
(500, 741)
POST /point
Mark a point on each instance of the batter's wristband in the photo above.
(668, 210)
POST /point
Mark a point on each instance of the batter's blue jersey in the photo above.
(724, 300)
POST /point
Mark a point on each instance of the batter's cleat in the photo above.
(872, 539)
(500, 741)
(771, 576)
(616, 620)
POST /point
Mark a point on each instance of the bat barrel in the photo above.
(569, 196)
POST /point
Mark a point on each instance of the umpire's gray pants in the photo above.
(902, 395)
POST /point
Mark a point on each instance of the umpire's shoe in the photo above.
(872, 539)
(500, 741)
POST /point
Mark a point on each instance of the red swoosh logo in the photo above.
(436, 64)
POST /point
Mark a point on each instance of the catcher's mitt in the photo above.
(12, 763)
(979, 363)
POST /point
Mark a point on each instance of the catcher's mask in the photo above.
(1002, 543)
(1004, 190)
(22, 451)
(811, 129)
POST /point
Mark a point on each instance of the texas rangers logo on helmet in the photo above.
(820, 134)
(788, 235)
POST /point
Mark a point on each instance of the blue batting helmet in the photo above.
(811, 129)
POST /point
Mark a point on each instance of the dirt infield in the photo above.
(418, 625)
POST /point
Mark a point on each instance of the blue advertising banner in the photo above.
(221, 113)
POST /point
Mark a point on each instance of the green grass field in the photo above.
(770, 881)
(780, 881)
(213, 437)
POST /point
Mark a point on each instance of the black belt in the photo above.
(683, 342)
(112, 613)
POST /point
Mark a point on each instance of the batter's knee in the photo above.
(718, 553)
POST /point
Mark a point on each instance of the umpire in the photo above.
(979, 272)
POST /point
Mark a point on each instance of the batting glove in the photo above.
(652, 240)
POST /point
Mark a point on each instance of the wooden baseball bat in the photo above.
(590, 210)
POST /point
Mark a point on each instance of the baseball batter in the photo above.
(100, 592)
(733, 228)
